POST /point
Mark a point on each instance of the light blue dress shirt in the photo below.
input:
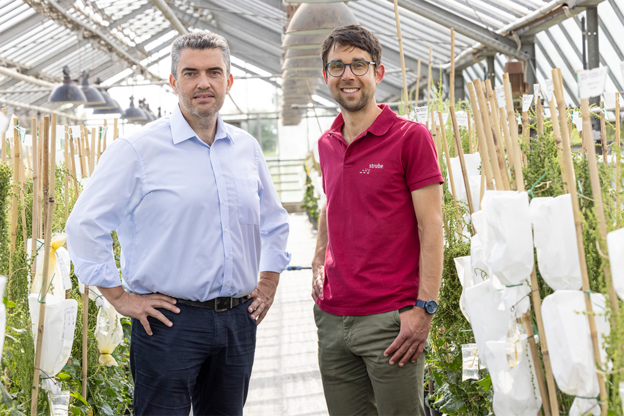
(194, 221)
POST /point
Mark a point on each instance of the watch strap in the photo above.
(421, 303)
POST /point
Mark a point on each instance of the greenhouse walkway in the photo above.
(285, 378)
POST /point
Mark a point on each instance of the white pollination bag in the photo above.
(478, 263)
(473, 162)
(615, 244)
(585, 407)
(508, 243)
(489, 318)
(59, 268)
(462, 264)
(58, 332)
(108, 332)
(555, 241)
(515, 389)
(567, 331)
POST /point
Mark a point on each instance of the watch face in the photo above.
(431, 307)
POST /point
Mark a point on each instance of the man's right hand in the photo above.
(318, 277)
(140, 306)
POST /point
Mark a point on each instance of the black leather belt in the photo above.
(218, 304)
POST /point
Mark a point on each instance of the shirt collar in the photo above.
(380, 126)
(181, 130)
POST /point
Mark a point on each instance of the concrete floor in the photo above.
(285, 378)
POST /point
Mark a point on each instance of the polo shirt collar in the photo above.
(380, 126)
(181, 130)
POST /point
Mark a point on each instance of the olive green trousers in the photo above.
(357, 378)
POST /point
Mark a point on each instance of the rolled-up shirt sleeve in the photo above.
(274, 227)
(109, 197)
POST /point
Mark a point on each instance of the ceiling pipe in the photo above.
(38, 108)
(26, 78)
(170, 16)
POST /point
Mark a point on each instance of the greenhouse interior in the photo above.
(513, 304)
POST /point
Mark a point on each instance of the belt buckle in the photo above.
(223, 301)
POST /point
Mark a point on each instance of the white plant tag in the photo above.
(609, 99)
(444, 119)
(577, 119)
(4, 123)
(470, 362)
(527, 99)
(500, 97)
(537, 91)
(462, 118)
(422, 114)
(62, 259)
(591, 82)
(69, 320)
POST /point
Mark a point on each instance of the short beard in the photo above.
(352, 107)
(202, 112)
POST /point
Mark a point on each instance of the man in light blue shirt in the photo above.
(197, 217)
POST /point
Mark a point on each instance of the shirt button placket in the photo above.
(225, 220)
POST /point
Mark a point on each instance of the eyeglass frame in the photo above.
(350, 68)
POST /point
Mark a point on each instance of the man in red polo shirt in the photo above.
(378, 261)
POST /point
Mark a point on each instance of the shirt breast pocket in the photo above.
(248, 201)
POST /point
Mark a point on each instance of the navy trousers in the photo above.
(205, 359)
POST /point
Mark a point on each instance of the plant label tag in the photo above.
(591, 83)
(444, 119)
(609, 100)
(462, 118)
(69, 318)
(500, 97)
(527, 99)
(577, 119)
(537, 91)
(547, 88)
(470, 362)
(422, 114)
(4, 123)
(62, 259)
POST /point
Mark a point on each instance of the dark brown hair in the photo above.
(354, 36)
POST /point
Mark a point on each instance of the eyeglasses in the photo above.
(358, 68)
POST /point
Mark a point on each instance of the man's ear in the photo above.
(230, 82)
(379, 74)
(325, 77)
(172, 81)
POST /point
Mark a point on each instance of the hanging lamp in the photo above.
(134, 114)
(109, 102)
(67, 92)
(93, 95)
(294, 41)
(320, 19)
(116, 110)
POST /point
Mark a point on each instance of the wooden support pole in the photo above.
(450, 171)
(513, 129)
(14, 201)
(557, 135)
(509, 147)
(536, 365)
(436, 137)
(115, 130)
(417, 92)
(429, 76)
(402, 57)
(67, 170)
(571, 179)
(85, 332)
(618, 184)
(539, 115)
(4, 143)
(526, 132)
(22, 187)
(470, 147)
(35, 209)
(452, 74)
(597, 194)
(82, 154)
(73, 166)
(93, 151)
(603, 135)
(41, 196)
(485, 164)
(496, 135)
(462, 161)
(48, 192)
(104, 133)
(487, 130)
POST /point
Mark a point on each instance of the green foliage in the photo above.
(310, 201)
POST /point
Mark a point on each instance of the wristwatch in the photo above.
(430, 306)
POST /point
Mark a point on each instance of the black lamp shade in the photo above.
(109, 102)
(115, 110)
(93, 96)
(67, 93)
(134, 114)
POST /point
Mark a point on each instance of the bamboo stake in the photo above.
(485, 165)
(398, 27)
(85, 331)
(470, 147)
(603, 135)
(115, 130)
(417, 93)
(557, 135)
(48, 192)
(92, 152)
(40, 200)
(35, 213)
(489, 141)
(81, 155)
(4, 143)
(597, 193)
(509, 147)
(67, 168)
(73, 166)
(429, 75)
(22, 186)
(526, 131)
(436, 138)
(481, 188)
(99, 146)
(558, 83)
(104, 133)
(452, 75)
(496, 131)
(28, 162)
(618, 185)
(450, 171)
(14, 203)
(513, 128)
(538, 368)
(460, 153)
(538, 112)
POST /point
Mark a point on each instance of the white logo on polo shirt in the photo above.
(367, 170)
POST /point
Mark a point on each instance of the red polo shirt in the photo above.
(371, 264)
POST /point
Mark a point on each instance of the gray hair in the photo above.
(199, 40)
